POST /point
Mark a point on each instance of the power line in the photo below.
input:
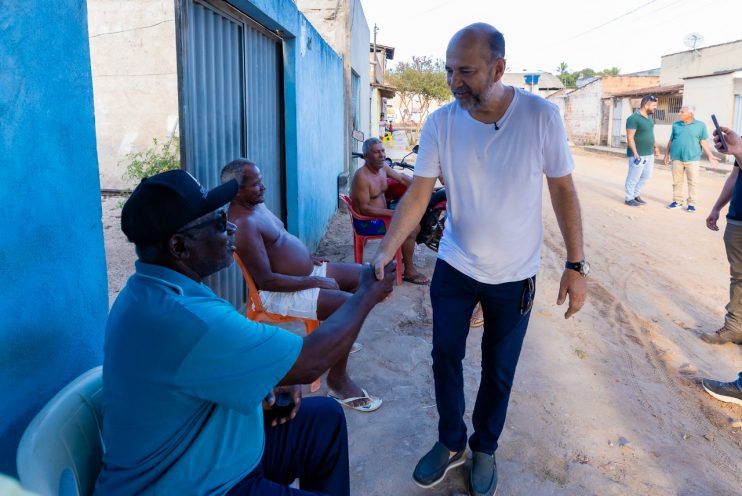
(612, 20)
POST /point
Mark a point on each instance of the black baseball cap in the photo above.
(165, 202)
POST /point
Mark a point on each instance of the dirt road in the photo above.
(607, 403)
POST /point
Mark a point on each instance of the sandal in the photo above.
(372, 404)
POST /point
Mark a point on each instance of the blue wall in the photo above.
(314, 117)
(53, 296)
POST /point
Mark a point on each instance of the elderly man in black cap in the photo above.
(196, 398)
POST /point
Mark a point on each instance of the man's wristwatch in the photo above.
(582, 267)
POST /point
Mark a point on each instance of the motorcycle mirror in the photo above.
(415, 148)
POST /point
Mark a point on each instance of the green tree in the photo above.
(585, 73)
(613, 71)
(567, 79)
(419, 83)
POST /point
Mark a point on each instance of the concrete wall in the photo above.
(360, 36)
(314, 117)
(132, 52)
(711, 95)
(617, 84)
(343, 25)
(319, 151)
(676, 66)
(54, 295)
(582, 114)
(134, 59)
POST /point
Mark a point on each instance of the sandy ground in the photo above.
(606, 403)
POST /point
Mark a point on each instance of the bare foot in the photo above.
(414, 276)
(345, 388)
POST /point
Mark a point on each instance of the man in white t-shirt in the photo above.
(493, 146)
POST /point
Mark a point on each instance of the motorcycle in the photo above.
(434, 219)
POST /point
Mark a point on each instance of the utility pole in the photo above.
(370, 96)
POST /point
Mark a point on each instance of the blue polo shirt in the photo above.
(184, 375)
(686, 140)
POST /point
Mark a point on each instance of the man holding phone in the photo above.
(728, 142)
(641, 150)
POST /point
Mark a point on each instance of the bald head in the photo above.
(491, 40)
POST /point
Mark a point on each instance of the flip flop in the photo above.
(418, 279)
(373, 402)
(476, 322)
(356, 347)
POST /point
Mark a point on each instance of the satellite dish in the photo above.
(693, 40)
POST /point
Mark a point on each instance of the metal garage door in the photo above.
(230, 105)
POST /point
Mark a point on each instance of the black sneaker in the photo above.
(632, 203)
(432, 468)
(723, 336)
(728, 392)
(483, 475)
(639, 200)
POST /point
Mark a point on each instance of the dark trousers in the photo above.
(453, 296)
(313, 447)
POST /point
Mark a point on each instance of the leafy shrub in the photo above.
(159, 158)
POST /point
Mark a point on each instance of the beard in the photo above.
(476, 100)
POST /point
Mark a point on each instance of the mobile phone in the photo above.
(283, 405)
(719, 133)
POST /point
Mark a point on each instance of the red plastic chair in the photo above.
(359, 240)
(256, 311)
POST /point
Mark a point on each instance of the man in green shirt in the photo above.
(687, 138)
(641, 150)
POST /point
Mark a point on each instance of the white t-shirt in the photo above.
(493, 183)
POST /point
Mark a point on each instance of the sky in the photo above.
(540, 34)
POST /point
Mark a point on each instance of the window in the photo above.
(668, 109)
(355, 88)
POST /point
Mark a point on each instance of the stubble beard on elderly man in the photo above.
(471, 100)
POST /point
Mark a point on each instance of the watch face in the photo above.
(585, 269)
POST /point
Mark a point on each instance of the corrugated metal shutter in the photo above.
(230, 87)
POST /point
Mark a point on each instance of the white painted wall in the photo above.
(132, 54)
(711, 95)
(677, 66)
(360, 36)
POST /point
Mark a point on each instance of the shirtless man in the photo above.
(291, 281)
(367, 192)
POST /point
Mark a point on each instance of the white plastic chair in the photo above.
(61, 451)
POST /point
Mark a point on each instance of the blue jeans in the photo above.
(638, 176)
(453, 296)
(313, 447)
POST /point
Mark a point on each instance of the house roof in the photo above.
(546, 80)
(383, 48)
(653, 90)
(702, 48)
(385, 90)
(717, 73)
(561, 92)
